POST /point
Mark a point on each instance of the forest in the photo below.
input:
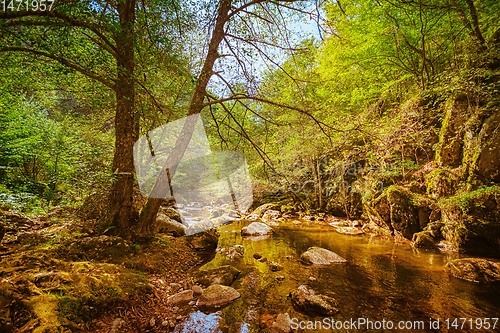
(249, 165)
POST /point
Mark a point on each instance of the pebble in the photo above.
(279, 277)
(179, 317)
(172, 324)
(175, 309)
(192, 303)
(152, 322)
(164, 323)
(312, 279)
(289, 257)
(197, 289)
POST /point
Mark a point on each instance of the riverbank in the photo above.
(57, 273)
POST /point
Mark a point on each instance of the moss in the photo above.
(444, 130)
(423, 239)
(441, 182)
(465, 200)
(474, 270)
(45, 308)
(404, 218)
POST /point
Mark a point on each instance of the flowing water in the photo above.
(382, 280)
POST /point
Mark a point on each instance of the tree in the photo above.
(98, 39)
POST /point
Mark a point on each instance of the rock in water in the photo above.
(183, 297)
(256, 229)
(220, 275)
(217, 295)
(320, 256)
(474, 270)
(271, 215)
(308, 301)
(283, 324)
(274, 266)
(423, 239)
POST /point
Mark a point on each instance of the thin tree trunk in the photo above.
(320, 187)
(150, 210)
(475, 22)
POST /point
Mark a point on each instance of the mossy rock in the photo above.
(404, 216)
(309, 302)
(206, 240)
(216, 296)
(477, 236)
(259, 212)
(472, 221)
(379, 212)
(485, 161)
(423, 239)
(474, 269)
(172, 214)
(449, 151)
(441, 182)
(224, 275)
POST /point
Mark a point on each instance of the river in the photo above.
(383, 280)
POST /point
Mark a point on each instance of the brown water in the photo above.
(381, 280)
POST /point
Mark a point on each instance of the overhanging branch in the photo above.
(61, 60)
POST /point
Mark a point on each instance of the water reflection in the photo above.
(381, 280)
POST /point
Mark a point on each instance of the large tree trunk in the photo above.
(150, 210)
(126, 129)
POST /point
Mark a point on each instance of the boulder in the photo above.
(224, 275)
(181, 298)
(172, 214)
(283, 324)
(165, 224)
(474, 269)
(256, 229)
(449, 148)
(404, 216)
(271, 215)
(435, 215)
(485, 164)
(423, 239)
(379, 212)
(259, 212)
(205, 240)
(471, 222)
(441, 182)
(320, 256)
(434, 229)
(307, 301)
(217, 295)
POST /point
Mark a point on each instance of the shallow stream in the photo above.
(381, 280)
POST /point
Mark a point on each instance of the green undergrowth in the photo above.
(464, 200)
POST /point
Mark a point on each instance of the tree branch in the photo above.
(94, 27)
(61, 60)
